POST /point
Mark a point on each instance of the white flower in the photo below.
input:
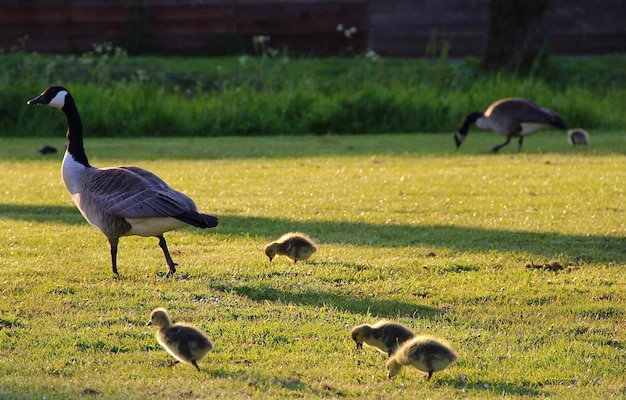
(350, 32)
(340, 27)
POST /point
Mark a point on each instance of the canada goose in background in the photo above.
(578, 136)
(183, 342)
(425, 353)
(511, 117)
(47, 149)
(294, 245)
(119, 201)
(385, 336)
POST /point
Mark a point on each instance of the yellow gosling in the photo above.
(578, 136)
(294, 245)
(385, 336)
(425, 353)
(185, 343)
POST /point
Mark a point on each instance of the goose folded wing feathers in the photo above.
(151, 178)
(527, 111)
(130, 192)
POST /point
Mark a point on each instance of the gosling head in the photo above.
(359, 333)
(393, 367)
(54, 96)
(271, 250)
(159, 318)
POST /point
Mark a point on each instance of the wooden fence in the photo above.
(401, 28)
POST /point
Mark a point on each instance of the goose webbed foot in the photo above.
(171, 271)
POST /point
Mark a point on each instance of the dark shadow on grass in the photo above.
(547, 245)
(378, 308)
(495, 388)
(542, 245)
(42, 213)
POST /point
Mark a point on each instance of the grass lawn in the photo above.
(518, 260)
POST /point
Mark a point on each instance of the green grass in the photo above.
(408, 229)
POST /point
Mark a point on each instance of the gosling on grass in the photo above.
(578, 136)
(425, 353)
(294, 245)
(185, 343)
(385, 336)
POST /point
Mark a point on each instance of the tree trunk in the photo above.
(515, 34)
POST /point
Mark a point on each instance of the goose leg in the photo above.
(113, 242)
(168, 258)
(521, 140)
(195, 364)
(430, 375)
(498, 147)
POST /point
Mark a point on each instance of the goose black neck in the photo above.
(468, 121)
(74, 131)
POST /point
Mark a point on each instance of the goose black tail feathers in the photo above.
(198, 220)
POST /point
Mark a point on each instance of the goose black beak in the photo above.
(149, 323)
(36, 100)
(457, 140)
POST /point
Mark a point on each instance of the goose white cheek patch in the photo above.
(59, 100)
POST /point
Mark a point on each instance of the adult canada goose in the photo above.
(578, 136)
(183, 342)
(294, 245)
(511, 117)
(425, 353)
(119, 201)
(385, 336)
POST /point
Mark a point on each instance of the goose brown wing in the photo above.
(526, 111)
(130, 192)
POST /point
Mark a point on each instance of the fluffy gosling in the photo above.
(294, 245)
(578, 136)
(385, 336)
(183, 342)
(425, 353)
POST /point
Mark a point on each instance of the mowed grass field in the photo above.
(518, 260)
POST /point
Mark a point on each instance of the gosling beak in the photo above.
(149, 323)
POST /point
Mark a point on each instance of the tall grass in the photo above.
(148, 96)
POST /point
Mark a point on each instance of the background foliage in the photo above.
(147, 96)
